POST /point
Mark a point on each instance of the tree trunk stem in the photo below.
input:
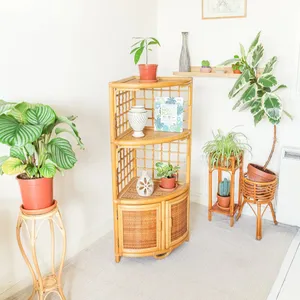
(273, 148)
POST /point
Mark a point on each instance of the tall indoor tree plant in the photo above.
(258, 93)
(144, 45)
(37, 151)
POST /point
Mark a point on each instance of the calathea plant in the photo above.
(258, 92)
(36, 149)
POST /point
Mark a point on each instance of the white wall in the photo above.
(218, 40)
(64, 53)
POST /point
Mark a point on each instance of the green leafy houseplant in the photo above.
(166, 170)
(237, 67)
(37, 151)
(223, 147)
(258, 92)
(145, 44)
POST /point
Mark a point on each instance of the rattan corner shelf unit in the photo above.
(155, 225)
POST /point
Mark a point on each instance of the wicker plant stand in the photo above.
(233, 207)
(258, 193)
(155, 225)
(42, 286)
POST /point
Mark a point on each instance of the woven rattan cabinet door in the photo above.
(139, 228)
(177, 220)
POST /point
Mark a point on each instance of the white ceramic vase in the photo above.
(137, 117)
(145, 185)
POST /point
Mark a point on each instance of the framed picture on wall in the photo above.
(219, 9)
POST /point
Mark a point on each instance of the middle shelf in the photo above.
(151, 137)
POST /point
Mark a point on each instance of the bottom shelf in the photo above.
(216, 209)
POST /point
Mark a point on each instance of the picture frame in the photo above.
(224, 9)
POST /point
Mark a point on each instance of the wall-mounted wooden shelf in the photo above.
(195, 72)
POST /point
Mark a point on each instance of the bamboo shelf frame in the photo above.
(155, 225)
(233, 207)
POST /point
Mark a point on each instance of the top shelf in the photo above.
(134, 83)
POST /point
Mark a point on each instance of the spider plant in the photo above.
(223, 147)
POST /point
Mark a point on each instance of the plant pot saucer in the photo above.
(38, 211)
(169, 190)
(223, 208)
(148, 81)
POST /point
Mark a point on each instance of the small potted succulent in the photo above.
(205, 67)
(37, 150)
(168, 174)
(144, 44)
(223, 195)
(224, 147)
(237, 67)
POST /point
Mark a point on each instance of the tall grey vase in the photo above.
(185, 60)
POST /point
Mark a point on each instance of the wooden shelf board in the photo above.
(134, 82)
(195, 72)
(216, 209)
(129, 194)
(151, 137)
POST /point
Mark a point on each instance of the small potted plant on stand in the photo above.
(147, 71)
(168, 175)
(223, 195)
(36, 149)
(205, 67)
(258, 93)
(224, 147)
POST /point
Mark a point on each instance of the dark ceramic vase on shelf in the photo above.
(185, 61)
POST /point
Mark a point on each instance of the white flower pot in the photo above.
(137, 117)
(145, 185)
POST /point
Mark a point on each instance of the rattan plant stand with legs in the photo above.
(154, 225)
(258, 193)
(233, 207)
(42, 286)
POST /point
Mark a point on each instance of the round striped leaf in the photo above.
(13, 133)
(2, 161)
(48, 169)
(17, 152)
(31, 170)
(5, 107)
(272, 107)
(13, 166)
(61, 153)
(41, 115)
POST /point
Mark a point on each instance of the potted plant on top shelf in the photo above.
(147, 71)
(258, 93)
(168, 174)
(36, 149)
(223, 148)
(205, 67)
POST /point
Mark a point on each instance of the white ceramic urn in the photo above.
(137, 117)
(145, 185)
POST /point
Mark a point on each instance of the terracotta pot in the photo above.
(237, 72)
(168, 183)
(257, 174)
(36, 193)
(205, 69)
(148, 73)
(223, 201)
